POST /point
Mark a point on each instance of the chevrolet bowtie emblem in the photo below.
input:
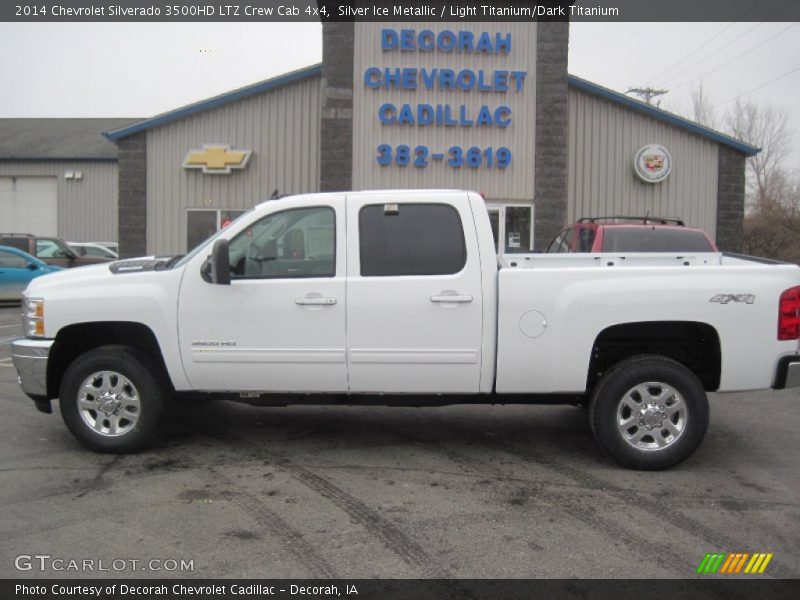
(217, 159)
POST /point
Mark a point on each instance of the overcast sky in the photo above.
(139, 70)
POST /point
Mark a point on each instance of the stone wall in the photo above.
(336, 116)
(730, 199)
(132, 195)
(550, 187)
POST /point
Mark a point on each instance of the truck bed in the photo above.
(552, 309)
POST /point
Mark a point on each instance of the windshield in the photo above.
(208, 242)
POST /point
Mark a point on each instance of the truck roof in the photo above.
(370, 192)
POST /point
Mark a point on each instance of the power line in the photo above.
(738, 19)
(700, 47)
(729, 42)
(765, 84)
(735, 58)
(715, 52)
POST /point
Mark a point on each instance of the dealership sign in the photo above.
(491, 86)
(652, 163)
(216, 159)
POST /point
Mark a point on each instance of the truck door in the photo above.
(280, 324)
(414, 302)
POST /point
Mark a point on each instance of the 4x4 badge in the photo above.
(725, 298)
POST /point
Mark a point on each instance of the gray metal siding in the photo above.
(603, 139)
(87, 208)
(280, 126)
(512, 184)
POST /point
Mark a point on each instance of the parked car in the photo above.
(93, 249)
(51, 250)
(631, 234)
(395, 298)
(17, 269)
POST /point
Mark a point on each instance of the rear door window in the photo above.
(414, 239)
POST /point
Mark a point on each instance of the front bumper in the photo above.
(788, 373)
(30, 361)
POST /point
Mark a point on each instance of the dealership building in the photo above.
(482, 106)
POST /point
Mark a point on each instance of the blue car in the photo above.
(17, 268)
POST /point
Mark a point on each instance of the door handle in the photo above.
(460, 298)
(315, 301)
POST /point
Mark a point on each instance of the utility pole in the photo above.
(647, 94)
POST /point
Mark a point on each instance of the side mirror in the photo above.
(33, 267)
(220, 263)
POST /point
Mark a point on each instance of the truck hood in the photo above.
(94, 275)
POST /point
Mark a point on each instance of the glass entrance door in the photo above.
(512, 227)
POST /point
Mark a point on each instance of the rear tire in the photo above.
(112, 399)
(649, 412)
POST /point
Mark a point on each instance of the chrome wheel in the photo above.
(109, 403)
(651, 416)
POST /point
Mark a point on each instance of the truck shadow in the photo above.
(561, 430)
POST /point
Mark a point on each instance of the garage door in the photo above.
(28, 205)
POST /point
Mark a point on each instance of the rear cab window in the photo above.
(654, 239)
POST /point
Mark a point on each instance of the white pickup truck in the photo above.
(397, 298)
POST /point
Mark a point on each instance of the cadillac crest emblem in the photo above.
(652, 163)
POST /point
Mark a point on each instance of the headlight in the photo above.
(33, 317)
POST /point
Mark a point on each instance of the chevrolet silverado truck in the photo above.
(398, 298)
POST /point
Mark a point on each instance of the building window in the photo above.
(512, 227)
(416, 239)
(201, 224)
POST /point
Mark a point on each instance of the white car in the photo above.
(397, 298)
(113, 246)
(93, 249)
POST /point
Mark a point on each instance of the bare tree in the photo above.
(772, 219)
(702, 107)
(772, 226)
(769, 231)
(765, 127)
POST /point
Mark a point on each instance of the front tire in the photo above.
(649, 412)
(112, 399)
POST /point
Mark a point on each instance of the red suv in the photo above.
(631, 234)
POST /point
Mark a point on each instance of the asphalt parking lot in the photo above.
(475, 491)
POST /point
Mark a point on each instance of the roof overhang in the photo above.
(215, 102)
(662, 115)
